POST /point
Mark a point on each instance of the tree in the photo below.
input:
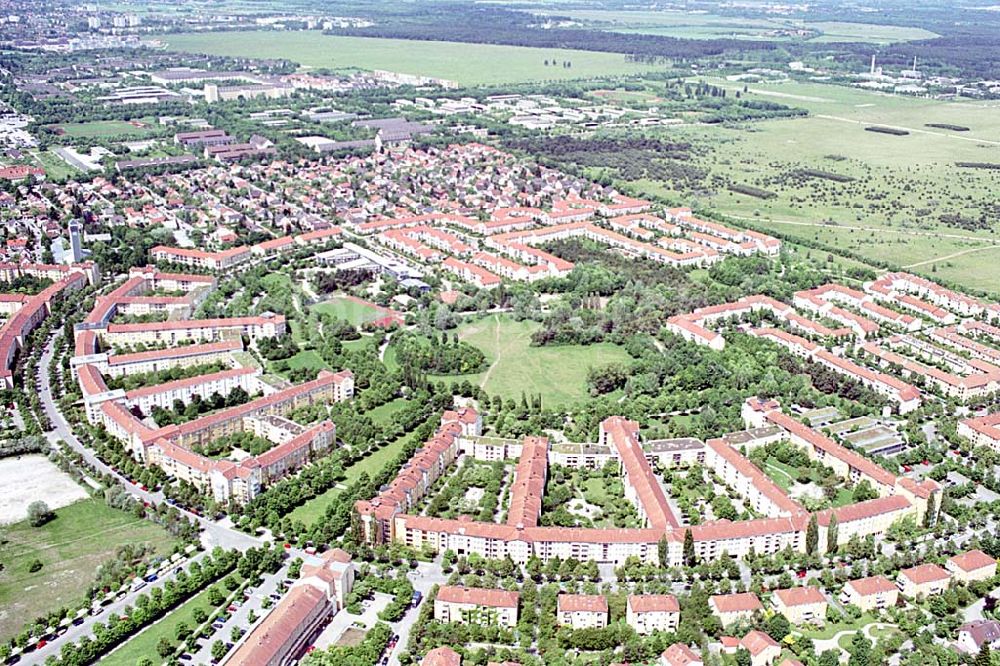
(930, 517)
(164, 647)
(743, 657)
(984, 657)
(829, 658)
(812, 535)
(39, 513)
(219, 650)
(689, 555)
(861, 649)
(778, 626)
(831, 534)
(662, 551)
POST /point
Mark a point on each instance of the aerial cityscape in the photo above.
(525, 333)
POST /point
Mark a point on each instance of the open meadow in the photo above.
(558, 373)
(895, 198)
(469, 64)
(704, 25)
(70, 547)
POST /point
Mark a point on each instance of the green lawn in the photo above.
(469, 64)
(307, 358)
(558, 373)
(104, 128)
(902, 185)
(384, 413)
(144, 643)
(830, 630)
(314, 509)
(71, 547)
(55, 166)
(343, 308)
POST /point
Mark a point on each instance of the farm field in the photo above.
(558, 373)
(82, 536)
(469, 64)
(896, 192)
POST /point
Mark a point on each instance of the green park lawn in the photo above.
(82, 536)
(313, 510)
(103, 128)
(469, 64)
(558, 373)
(385, 413)
(342, 308)
(144, 643)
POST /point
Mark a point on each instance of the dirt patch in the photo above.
(351, 637)
(26, 479)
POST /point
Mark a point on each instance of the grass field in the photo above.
(103, 128)
(71, 547)
(901, 187)
(558, 373)
(343, 308)
(144, 643)
(384, 413)
(469, 64)
(314, 509)
(701, 25)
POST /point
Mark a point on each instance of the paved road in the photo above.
(213, 534)
(86, 627)
(240, 617)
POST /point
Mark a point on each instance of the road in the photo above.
(86, 627)
(426, 576)
(213, 534)
(240, 617)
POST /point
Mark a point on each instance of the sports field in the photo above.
(558, 373)
(343, 308)
(469, 64)
(104, 128)
(901, 189)
(82, 536)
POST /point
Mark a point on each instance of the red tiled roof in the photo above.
(757, 641)
(653, 603)
(478, 596)
(582, 603)
(734, 603)
(972, 560)
(925, 573)
(872, 585)
(800, 596)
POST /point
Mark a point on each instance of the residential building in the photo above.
(582, 611)
(474, 605)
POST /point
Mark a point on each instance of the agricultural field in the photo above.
(70, 547)
(900, 199)
(469, 64)
(558, 373)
